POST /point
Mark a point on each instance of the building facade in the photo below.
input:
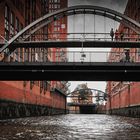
(28, 98)
(124, 97)
(58, 31)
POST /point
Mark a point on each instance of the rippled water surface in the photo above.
(71, 127)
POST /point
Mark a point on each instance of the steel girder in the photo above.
(81, 9)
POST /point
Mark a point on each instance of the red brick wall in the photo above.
(126, 97)
(2, 19)
(14, 90)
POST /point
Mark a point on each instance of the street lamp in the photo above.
(83, 55)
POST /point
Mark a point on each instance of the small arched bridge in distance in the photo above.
(73, 70)
(86, 101)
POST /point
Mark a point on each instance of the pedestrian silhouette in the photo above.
(112, 34)
(121, 35)
(127, 56)
(116, 35)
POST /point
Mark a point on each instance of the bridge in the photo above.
(97, 71)
(74, 44)
(75, 70)
(86, 100)
(81, 104)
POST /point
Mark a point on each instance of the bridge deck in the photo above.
(81, 104)
(73, 44)
(93, 71)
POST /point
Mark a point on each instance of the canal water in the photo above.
(71, 127)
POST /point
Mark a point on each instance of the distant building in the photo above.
(124, 96)
(58, 31)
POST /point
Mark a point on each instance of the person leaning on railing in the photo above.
(127, 56)
(121, 35)
(116, 35)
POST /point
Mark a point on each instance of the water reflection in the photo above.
(71, 127)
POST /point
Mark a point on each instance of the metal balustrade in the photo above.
(73, 56)
(73, 37)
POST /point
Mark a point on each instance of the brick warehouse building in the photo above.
(57, 31)
(125, 96)
(27, 98)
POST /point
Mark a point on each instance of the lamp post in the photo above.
(82, 52)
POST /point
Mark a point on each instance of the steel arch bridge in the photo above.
(101, 71)
(82, 95)
(82, 9)
(86, 89)
(93, 90)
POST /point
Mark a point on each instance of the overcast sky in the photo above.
(112, 4)
(75, 24)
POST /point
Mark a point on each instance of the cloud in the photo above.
(112, 4)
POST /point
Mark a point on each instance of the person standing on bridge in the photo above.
(127, 55)
(121, 35)
(112, 34)
(116, 35)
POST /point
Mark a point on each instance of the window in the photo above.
(33, 54)
(55, 6)
(7, 12)
(16, 55)
(58, 28)
(6, 34)
(63, 26)
(33, 10)
(7, 17)
(55, 23)
(55, 1)
(17, 25)
(21, 54)
(12, 19)
(12, 24)
(55, 29)
(26, 55)
(58, 6)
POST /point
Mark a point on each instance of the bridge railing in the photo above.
(83, 37)
(74, 36)
(74, 56)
